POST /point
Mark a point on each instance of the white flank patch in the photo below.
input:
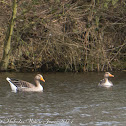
(13, 87)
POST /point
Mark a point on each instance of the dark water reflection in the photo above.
(68, 100)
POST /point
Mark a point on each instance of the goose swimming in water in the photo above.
(105, 82)
(20, 85)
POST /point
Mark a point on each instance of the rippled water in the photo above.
(69, 99)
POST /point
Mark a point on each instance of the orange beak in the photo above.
(42, 79)
(110, 75)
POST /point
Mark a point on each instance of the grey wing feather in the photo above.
(101, 82)
(20, 83)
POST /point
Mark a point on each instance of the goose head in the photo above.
(39, 77)
(107, 74)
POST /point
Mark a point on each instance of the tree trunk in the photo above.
(6, 50)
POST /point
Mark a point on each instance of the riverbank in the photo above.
(69, 36)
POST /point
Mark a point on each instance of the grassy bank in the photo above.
(54, 35)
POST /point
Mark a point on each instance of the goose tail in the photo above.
(13, 87)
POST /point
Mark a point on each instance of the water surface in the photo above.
(69, 99)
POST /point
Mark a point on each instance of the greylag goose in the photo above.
(105, 82)
(20, 85)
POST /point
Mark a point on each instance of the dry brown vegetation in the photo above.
(66, 35)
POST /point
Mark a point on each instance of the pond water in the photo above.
(69, 99)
